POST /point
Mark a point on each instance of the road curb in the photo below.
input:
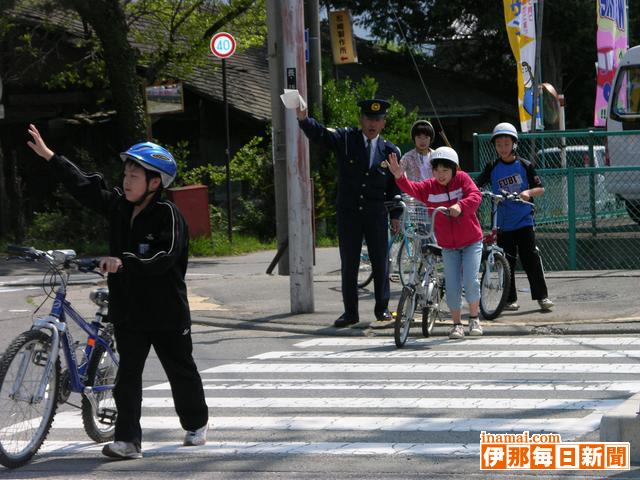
(622, 424)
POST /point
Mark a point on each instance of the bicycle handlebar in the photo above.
(501, 197)
(57, 259)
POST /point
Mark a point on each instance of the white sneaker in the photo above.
(194, 438)
(475, 329)
(456, 332)
(511, 307)
(122, 450)
(545, 304)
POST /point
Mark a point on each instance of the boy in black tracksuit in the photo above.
(148, 248)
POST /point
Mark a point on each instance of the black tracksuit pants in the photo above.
(174, 350)
(522, 242)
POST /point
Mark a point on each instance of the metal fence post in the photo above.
(571, 218)
(476, 157)
(592, 185)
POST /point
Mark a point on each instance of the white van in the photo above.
(623, 114)
(576, 156)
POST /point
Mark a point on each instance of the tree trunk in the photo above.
(108, 20)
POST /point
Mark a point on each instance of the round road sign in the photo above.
(223, 45)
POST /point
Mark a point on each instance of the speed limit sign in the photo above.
(223, 45)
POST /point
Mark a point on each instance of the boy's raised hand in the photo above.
(38, 144)
(394, 166)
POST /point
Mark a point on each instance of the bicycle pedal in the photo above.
(107, 416)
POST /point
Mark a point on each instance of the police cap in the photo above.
(374, 108)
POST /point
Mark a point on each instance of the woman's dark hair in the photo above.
(422, 127)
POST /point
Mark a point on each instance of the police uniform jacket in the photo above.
(149, 293)
(361, 188)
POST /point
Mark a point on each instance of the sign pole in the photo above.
(223, 45)
(228, 148)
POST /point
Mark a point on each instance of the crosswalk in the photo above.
(362, 396)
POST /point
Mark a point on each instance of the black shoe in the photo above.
(344, 321)
(384, 316)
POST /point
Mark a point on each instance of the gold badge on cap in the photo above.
(375, 106)
(384, 164)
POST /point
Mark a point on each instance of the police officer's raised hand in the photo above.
(38, 144)
(110, 264)
(394, 166)
(301, 114)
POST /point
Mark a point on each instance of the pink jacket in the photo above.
(451, 232)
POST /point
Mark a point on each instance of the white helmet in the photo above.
(445, 153)
(505, 128)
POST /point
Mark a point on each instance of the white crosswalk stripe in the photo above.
(345, 396)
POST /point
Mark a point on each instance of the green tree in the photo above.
(470, 37)
(169, 37)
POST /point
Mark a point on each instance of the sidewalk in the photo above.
(235, 292)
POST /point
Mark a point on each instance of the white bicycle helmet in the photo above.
(505, 128)
(445, 156)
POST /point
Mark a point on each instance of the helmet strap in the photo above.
(145, 195)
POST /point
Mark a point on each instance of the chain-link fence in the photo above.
(589, 215)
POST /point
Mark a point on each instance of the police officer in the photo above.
(364, 183)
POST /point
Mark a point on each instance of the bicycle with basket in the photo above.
(34, 379)
(423, 289)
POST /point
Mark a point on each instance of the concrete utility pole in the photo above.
(276, 77)
(298, 173)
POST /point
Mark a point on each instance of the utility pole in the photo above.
(276, 77)
(298, 172)
(314, 80)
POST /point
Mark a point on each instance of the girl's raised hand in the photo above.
(394, 166)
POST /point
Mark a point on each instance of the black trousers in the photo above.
(522, 242)
(352, 228)
(174, 350)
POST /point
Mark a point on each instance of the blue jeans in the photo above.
(465, 263)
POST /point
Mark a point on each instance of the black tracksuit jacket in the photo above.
(149, 293)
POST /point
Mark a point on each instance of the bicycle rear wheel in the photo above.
(395, 246)
(100, 424)
(365, 272)
(494, 285)
(431, 311)
(25, 419)
(405, 315)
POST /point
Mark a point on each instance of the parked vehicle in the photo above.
(623, 114)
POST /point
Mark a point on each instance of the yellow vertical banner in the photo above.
(342, 41)
(519, 17)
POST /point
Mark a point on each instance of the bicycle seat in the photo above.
(432, 248)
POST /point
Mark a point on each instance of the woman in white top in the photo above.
(417, 162)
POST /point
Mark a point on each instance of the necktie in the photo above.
(368, 152)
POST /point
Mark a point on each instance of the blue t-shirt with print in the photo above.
(512, 177)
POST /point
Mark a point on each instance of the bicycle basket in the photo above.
(416, 219)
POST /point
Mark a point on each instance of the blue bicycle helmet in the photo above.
(151, 156)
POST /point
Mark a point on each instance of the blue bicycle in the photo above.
(34, 379)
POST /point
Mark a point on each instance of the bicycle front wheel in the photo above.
(494, 285)
(405, 261)
(25, 412)
(431, 311)
(404, 317)
(100, 421)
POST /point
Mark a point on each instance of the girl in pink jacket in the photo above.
(459, 234)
